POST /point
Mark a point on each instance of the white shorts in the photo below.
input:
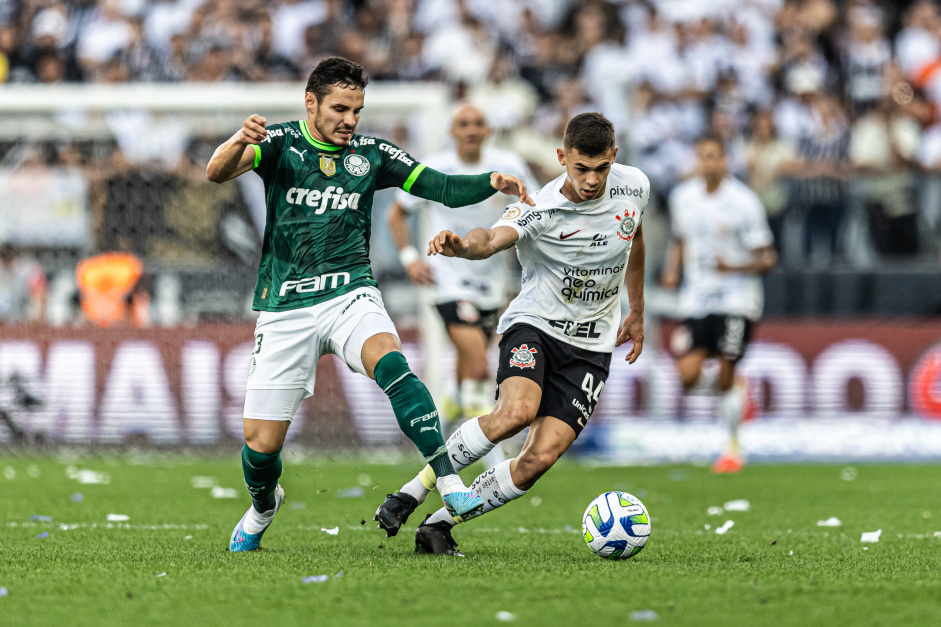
(288, 345)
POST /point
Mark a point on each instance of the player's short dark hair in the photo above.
(590, 134)
(712, 138)
(335, 72)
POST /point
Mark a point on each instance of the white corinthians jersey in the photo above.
(729, 224)
(574, 259)
(484, 283)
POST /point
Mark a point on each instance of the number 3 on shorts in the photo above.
(258, 339)
(587, 385)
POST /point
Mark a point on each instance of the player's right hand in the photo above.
(446, 243)
(419, 273)
(253, 131)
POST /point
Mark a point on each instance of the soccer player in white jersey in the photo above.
(468, 295)
(575, 247)
(722, 245)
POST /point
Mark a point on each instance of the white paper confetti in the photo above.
(708, 527)
(714, 511)
(162, 575)
(871, 536)
(791, 553)
(118, 517)
(3, 591)
(505, 616)
(315, 579)
(224, 493)
(725, 527)
(332, 532)
(643, 615)
(738, 505)
(535, 501)
(833, 521)
(87, 476)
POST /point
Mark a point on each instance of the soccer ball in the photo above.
(616, 525)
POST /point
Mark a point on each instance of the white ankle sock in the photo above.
(494, 486)
(468, 444)
(255, 522)
(465, 446)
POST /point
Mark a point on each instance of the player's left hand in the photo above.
(511, 186)
(721, 266)
(632, 329)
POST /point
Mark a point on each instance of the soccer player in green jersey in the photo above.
(315, 290)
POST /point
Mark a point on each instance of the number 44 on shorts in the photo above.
(588, 386)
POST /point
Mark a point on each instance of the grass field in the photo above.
(774, 567)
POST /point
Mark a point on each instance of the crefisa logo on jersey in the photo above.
(357, 165)
(327, 165)
(626, 226)
(523, 357)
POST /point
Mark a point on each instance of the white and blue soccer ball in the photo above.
(616, 525)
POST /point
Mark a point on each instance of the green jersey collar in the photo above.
(319, 145)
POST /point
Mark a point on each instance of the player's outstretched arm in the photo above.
(764, 259)
(236, 156)
(478, 244)
(632, 329)
(460, 190)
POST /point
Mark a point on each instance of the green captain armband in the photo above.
(451, 190)
(257, 155)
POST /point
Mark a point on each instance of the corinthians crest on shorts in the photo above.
(627, 225)
(327, 165)
(523, 357)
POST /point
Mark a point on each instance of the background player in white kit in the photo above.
(723, 245)
(559, 333)
(468, 295)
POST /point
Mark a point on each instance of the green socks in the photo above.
(261, 471)
(414, 409)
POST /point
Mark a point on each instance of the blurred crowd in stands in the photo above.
(830, 110)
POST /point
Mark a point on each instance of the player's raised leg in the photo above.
(515, 410)
(418, 418)
(734, 406)
(548, 439)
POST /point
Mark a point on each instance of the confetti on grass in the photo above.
(315, 579)
(331, 532)
(643, 615)
(505, 616)
(738, 505)
(833, 521)
(118, 517)
(724, 528)
(871, 536)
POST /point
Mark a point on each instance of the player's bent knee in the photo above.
(516, 417)
(267, 437)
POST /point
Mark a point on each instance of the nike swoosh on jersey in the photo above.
(564, 236)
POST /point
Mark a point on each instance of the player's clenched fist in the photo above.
(446, 243)
(253, 131)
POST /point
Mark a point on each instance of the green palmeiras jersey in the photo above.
(319, 202)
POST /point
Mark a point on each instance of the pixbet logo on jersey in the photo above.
(626, 226)
(523, 357)
(320, 200)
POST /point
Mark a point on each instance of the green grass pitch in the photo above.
(775, 566)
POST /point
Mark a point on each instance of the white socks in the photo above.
(255, 522)
(494, 486)
(732, 406)
(465, 446)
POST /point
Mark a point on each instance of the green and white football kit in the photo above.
(317, 295)
(315, 288)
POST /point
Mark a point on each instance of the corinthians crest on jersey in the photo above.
(627, 225)
(523, 357)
